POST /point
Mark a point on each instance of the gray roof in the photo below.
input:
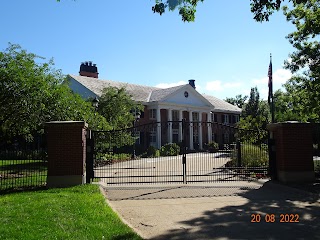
(139, 93)
(162, 93)
(220, 105)
(144, 93)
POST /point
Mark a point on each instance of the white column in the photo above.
(200, 130)
(180, 125)
(209, 127)
(158, 128)
(169, 126)
(191, 130)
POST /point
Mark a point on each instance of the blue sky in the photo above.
(224, 50)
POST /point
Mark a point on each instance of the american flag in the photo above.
(270, 94)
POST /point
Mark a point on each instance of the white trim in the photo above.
(209, 127)
(200, 130)
(170, 125)
(158, 128)
(191, 131)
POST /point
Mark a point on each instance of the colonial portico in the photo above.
(170, 108)
(197, 121)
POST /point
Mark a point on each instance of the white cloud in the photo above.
(279, 76)
(214, 86)
(219, 86)
(168, 85)
(232, 85)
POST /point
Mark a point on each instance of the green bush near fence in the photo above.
(170, 149)
(152, 152)
(23, 155)
(212, 147)
(251, 156)
(103, 159)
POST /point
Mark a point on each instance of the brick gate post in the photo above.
(66, 141)
(293, 150)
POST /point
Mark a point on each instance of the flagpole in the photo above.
(270, 95)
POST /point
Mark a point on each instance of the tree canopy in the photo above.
(32, 92)
(238, 100)
(117, 107)
(261, 9)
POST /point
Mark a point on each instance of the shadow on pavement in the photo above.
(234, 221)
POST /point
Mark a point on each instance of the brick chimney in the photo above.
(88, 69)
(192, 83)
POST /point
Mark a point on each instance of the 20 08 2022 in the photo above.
(282, 218)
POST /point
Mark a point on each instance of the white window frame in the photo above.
(212, 117)
(175, 115)
(153, 114)
(226, 119)
(195, 116)
(175, 132)
(237, 118)
(153, 136)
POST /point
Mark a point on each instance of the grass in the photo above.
(16, 174)
(71, 213)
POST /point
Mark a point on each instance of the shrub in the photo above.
(213, 147)
(152, 152)
(251, 156)
(170, 149)
(103, 159)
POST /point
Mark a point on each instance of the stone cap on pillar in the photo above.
(273, 126)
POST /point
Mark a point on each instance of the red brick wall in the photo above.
(66, 148)
(89, 74)
(294, 147)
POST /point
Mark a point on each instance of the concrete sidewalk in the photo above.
(218, 211)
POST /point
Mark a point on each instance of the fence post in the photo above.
(238, 144)
(272, 156)
(89, 156)
(184, 157)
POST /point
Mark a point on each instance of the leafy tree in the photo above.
(262, 9)
(251, 108)
(299, 101)
(255, 117)
(238, 100)
(117, 107)
(31, 93)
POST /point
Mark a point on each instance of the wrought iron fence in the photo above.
(23, 164)
(130, 156)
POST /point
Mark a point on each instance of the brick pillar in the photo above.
(66, 141)
(293, 145)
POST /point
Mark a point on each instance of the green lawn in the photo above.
(16, 174)
(70, 213)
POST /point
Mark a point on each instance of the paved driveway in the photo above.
(236, 210)
(199, 166)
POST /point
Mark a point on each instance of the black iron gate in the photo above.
(198, 152)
